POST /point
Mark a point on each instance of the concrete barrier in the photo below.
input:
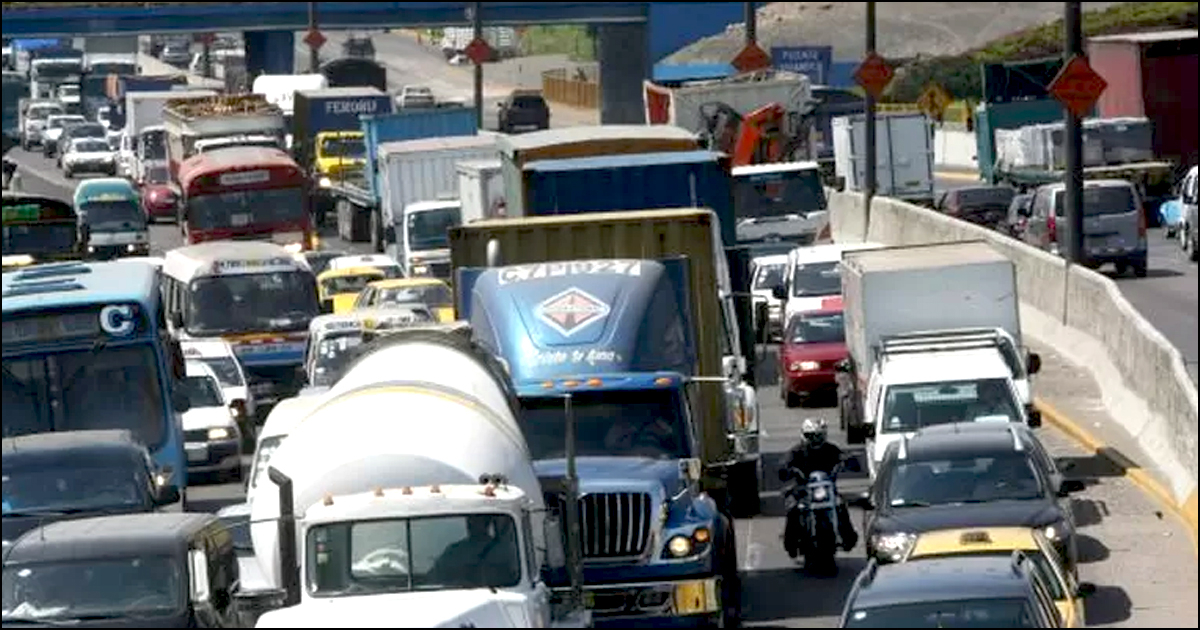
(1083, 315)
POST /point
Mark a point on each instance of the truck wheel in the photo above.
(731, 585)
(792, 400)
(744, 500)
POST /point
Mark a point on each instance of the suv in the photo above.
(523, 108)
(980, 474)
(968, 592)
(82, 130)
(986, 206)
(359, 47)
(415, 96)
(1114, 223)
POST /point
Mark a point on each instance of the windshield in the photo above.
(418, 554)
(333, 353)
(245, 208)
(104, 216)
(89, 130)
(63, 121)
(768, 276)
(262, 456)
(157, 175)
(45, 238)
(226, 369)
(58, 69)
(431, 295)
(92, 146)
(68, 91)
(42, 112)
(258, 302)
(74, 487)
(349, 148)
(1041, 563)
(73, 391)
(816, 279)
(116, 588)
(1009, 477)
(641, 423)
(337, 285)
(985, 197)
(907, 408)
(319, 261)
(817, 328)
(967, 613)
(1100, 201)
(202, 391)
(427, 229)
(154, 144)
(765, 195)
(113, 67)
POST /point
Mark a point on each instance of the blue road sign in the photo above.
(813, 61)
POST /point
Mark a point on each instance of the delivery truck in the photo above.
(481, 190)
(188, 121)
(903, 155)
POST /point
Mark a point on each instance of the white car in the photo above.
(390, 267)
(210, 430)
(768, 274)
(415, 96)
(55, 124)
(89, 155)
(219, 355)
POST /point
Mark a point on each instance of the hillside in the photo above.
(903, 30)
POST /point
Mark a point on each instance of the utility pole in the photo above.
(477, 25)
(314, 55)
(869, 120)
(751, 17)
(1073, 143)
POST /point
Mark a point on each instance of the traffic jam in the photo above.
(535, 404)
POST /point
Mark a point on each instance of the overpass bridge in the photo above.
(632, 36)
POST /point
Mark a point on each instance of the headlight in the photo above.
(419, 270)
(820, 494)
(130, 248)
(679, 546)
(91, 250)
(1057, 532)
(294, 248)
(325, 182)
(218, 433)
(893, 547)
(803, 366)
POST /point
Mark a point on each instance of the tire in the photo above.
(731, 585)
(791, 400)
(745, 485)
(822, 558)
(1139, 268)
(1122, 267)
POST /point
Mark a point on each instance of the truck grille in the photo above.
(195, 435)
(613, 525)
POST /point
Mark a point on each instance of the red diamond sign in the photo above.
(1077, 86)
(873, 74)
(314, 39)
(571, 310)
(206, 38)
(751, 58)
(478, 51)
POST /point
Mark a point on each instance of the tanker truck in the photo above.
(373, 518)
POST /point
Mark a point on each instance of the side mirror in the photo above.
(556, 556)
(167, 495)
(198, 574)
(1085, 589)
(1069, 487)
(729, 366)
(862, 502)
(779, 292)
(180, 402)
(1035, 418)
(839, 184)
(1033, 363)
(250, 605)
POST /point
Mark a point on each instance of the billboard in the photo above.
(813, 61)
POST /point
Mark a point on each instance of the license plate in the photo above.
(692, 598)
(197, 453)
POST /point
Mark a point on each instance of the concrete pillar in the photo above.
(624, 63)
(270, 52)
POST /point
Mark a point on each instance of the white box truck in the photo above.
(481, 190)
(903, 155)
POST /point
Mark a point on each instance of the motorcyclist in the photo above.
(814, 453)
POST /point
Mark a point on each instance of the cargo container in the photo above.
(481, 190)
(903, 155)
(1152, 75)
(576, 142)
(647, 181)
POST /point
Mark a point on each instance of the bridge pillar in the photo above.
(270, 52)
(624, 63)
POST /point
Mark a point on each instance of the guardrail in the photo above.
(579, 88)
(1084, 316)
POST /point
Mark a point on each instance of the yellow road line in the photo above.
(1133, 472)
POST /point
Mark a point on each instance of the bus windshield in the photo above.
(261, 302)
(243, 208)
(110, 216)
(73, 390)
(349, 148)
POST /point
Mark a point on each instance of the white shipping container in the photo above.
(903, 155)
(925, 288)
(481, 190)
(426, 169)
(681, 106)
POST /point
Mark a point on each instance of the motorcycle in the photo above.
(815, 503)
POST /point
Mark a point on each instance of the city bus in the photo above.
(39, 229)
(111, 209)
(245, 193)
(85, 347)
(256, 296)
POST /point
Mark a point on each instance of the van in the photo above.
(1114, 224)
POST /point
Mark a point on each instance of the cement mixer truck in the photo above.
(373, 517)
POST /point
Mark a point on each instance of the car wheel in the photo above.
(791, 400)
(1139, 269)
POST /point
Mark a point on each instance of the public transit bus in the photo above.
(85, 346)
(111, 208)
(39, 229)
(257, 296)
(245, 193)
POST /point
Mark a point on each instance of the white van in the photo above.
(813, 275)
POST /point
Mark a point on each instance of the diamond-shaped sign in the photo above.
(314, 39)
(478, 51)
(751, 58)
(571, 310)
(206, 38)
(873, 74)
(1077, 86)
(934, 101)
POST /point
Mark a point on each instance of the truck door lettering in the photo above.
(541, 271)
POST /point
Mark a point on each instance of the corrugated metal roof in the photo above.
(1150, 37)
(572, 135)
(617, 161)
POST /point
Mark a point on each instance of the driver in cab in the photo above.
(484, 558)
(640, 434)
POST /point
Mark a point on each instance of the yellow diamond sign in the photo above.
(934, 101)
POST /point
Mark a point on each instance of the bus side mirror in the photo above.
(326, 307)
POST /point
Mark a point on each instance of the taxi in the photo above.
(379, 321)
(431, 292)
(337, 289)
(1002, 542)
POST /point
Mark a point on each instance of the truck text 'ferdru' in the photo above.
(363, 106)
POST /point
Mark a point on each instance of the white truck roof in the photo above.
(778, 167)
(944, 366)
(427, 500)
(828, 252)
(931, 256)
(229, 258)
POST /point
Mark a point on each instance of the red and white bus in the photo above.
(245, 193)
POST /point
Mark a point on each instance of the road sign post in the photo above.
(934, 101)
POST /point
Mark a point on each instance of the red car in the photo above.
(160, 197)
(813, 344)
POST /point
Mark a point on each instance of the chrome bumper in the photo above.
(682, 598)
